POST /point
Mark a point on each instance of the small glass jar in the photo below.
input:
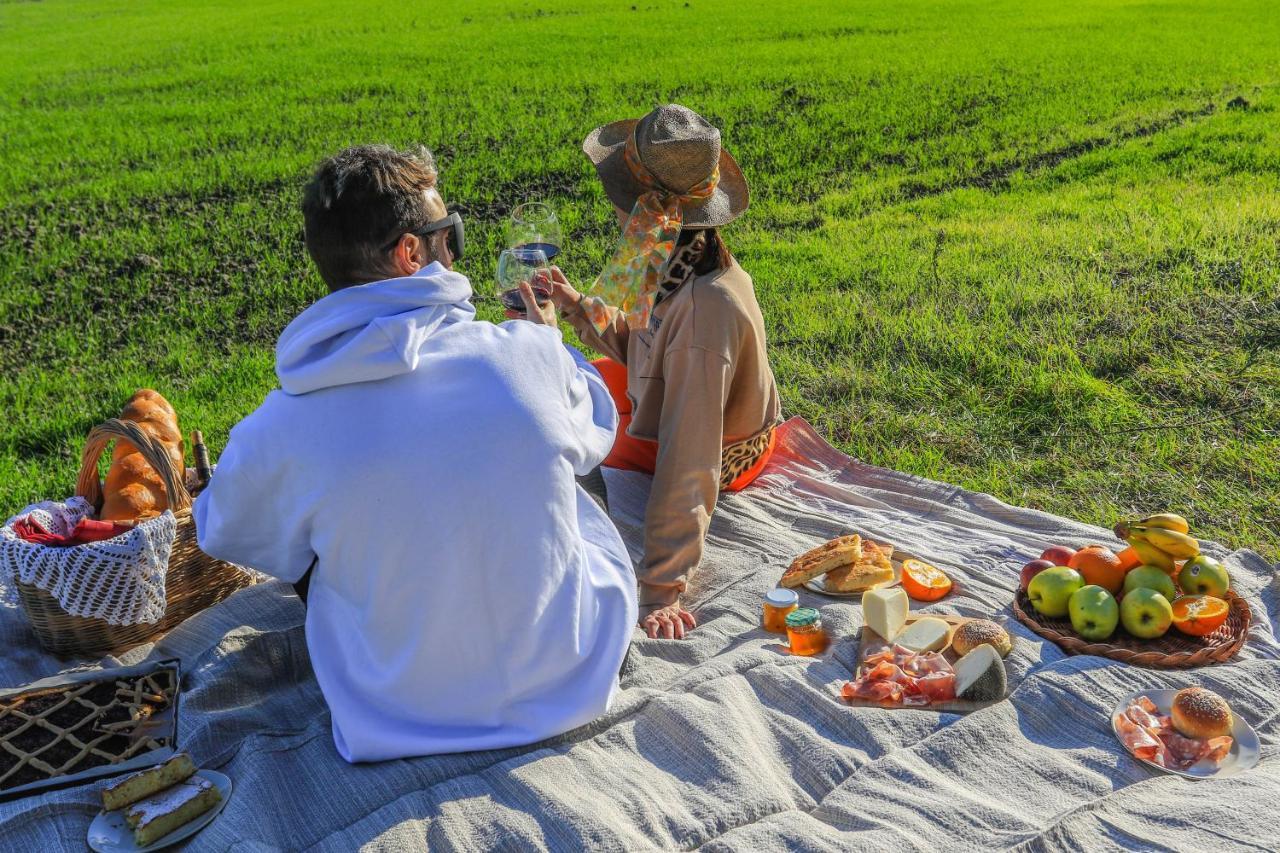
(777, 604)
(804, 630)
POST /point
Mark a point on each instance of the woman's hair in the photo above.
(715, 255)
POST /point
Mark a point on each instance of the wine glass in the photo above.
(534, 225)
(520, 264)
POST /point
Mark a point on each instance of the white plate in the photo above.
(1245, 748)
(109, 832)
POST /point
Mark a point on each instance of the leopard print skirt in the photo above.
(738, 458)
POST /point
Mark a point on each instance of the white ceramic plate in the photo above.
(1245, 748)
(110, 834)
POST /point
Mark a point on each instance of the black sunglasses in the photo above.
(456, 239)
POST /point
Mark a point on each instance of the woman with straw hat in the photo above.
(678, 319)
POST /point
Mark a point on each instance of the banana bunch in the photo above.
(1160, 540)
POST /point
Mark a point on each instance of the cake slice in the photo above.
(824, 558)
(138, 786)
(871, 568)
(158, 815)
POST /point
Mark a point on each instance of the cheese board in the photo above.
(924, 680)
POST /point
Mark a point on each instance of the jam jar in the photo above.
(777, 604)
(805, 631)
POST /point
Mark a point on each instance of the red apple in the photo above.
(1034, 568)
(1059, 555)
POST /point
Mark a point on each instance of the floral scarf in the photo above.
(631, 279)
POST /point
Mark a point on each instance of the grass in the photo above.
(1030, 248)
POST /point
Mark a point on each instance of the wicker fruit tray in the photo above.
(1174, 650)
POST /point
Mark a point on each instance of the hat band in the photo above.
(630, 280)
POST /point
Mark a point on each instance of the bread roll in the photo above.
(1201, 713)
(979, 632)
(133, 490)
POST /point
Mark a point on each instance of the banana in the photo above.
(1152, 556)
(1180, 546)
(1166, 521)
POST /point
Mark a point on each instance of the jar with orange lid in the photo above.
(777, 604)
(805, 632)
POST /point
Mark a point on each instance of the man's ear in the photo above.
(407, 256)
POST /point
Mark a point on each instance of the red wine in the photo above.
(513, 300)
(548, 249)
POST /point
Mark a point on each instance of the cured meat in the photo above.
(1150, 735)
(899, 676)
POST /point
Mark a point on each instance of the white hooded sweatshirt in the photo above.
(468, 594)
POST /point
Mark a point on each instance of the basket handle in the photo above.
(89, 487)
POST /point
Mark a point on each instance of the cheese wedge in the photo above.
(885, 611)
(928, 634)
(980, 675)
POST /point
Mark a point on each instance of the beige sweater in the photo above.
(699, 380)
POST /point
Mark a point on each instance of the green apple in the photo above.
(1145, 613)
(1149, 577)
(1094, 612)
(1050, 591)
(1203, 575)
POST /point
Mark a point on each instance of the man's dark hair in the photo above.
(359, 200)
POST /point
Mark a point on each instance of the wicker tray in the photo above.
(1175, 650)
(194, 580)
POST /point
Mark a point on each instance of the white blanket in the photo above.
(723, 741)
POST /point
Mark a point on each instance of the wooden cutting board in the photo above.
(869, 643)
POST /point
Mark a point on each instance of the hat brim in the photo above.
(604, 146)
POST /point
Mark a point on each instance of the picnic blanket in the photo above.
(724, 741)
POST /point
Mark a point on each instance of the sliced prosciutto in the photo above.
(1150, 735)
(899, 676)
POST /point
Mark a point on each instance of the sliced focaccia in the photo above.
(873, 567)
(838, 552)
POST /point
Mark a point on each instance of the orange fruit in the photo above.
(1099, 565)
(1129, 559)
(923, 582)
(1199, 615)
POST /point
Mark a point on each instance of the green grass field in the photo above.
(1031, 248)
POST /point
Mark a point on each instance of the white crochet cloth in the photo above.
(119, 580)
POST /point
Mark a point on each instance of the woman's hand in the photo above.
(671, 622)
(563, 294)
(543, 315)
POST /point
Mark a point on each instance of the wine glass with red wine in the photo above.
(534, 225)
(519, 265)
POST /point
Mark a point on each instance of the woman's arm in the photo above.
(686, 480)
(612, 341)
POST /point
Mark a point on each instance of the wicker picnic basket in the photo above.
(1174, 650)
(193, 582)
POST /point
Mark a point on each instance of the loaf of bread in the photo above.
(133, 490)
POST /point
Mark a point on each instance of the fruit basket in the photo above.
(1174, 650)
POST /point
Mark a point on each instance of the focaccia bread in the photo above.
(838, 552)
(871, 568)
(133, 490)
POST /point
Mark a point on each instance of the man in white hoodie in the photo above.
(466, 594)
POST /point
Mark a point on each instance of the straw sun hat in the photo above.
(681, 150)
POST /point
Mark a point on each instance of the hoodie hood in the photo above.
(370, 331)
